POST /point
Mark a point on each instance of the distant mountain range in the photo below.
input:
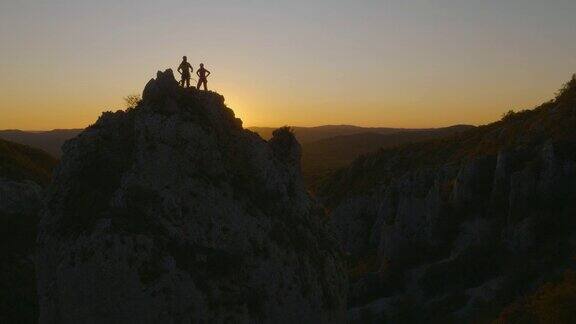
(49, 141)
(324, 156)
(325, 148)
(316, 133)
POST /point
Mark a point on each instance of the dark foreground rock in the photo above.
(173, 213)
(20, 202)
(23, 172)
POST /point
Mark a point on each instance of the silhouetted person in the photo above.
(185, 69)
(202, 77)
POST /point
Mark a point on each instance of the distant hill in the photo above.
(311, 134)
(321, 157)
(19, 162)
(49, 141)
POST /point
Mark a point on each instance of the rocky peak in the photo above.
(172, 212)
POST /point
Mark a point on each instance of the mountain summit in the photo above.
(172, 212)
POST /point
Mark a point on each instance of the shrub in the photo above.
(568, 90)
(508, 115)
(132, 101)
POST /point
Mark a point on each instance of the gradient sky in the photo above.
(409, 63)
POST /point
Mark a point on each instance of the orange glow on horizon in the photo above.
(390, 64)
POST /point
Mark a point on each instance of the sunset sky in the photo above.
(409, 63)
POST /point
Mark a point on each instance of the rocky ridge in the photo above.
(172, 212)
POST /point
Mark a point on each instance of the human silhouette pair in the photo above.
(186, 69)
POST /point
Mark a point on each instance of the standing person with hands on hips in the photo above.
(202, 77)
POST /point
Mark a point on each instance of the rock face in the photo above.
(20, 202)
(455, 243)
(173, 213)
(23, 171)
(455, 230)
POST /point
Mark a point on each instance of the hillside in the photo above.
(322, 157)
(19, 162)
(458, 228)
(49, 141)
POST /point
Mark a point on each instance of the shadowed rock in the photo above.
(453, 230)
(173, 213)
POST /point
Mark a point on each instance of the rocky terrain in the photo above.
(23, 173)
(171, 212)
(454, 230)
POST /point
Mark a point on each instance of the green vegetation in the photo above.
(19, 162)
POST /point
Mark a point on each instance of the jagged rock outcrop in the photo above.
(456, 255)
(173, 213)
(455, 230)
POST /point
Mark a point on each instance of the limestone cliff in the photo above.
(455, 229)
(171, 212)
